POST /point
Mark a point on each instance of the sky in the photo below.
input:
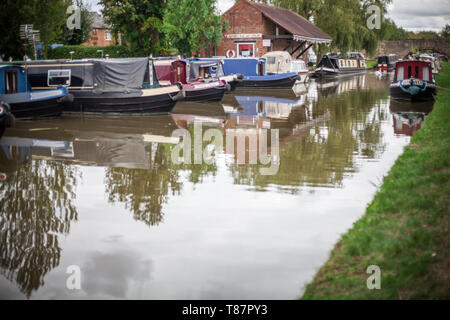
(412, 15)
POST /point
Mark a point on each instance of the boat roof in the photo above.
(413, 62)
(283, 54)
(2, 66)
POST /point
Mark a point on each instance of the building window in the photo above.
(245, 49)
(108, 35)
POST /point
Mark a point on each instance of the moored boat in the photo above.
(107, 86)
(413, 81)
(254, 73)
(24, 102)
(335, 65)
(198, 83)
(278, 62)
(386, 63)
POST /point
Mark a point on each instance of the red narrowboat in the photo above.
(198, 82)
(413, 81)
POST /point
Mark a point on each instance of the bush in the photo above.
(81, 52)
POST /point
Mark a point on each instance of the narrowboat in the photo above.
(386, 63)
(6, 117)
(435, 65)
(413, 81)
(198, 83)
(107, 86)
(282, 62)
(334, 65)
(254, 73)
(15, 90)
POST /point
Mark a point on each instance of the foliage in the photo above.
(445, 33)
(78, 36)
(351, 17)
(138, 21)
(81, 52)
(405, 228)
(192, 25)
(423, 35)
(47, 16)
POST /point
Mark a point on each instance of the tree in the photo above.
(445, 33)
(192, 25)
(79, 36)
(47, 16)
(138, 21)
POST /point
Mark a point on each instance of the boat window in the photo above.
(409, 72)
(417, 72)
(58, 78)
(425, 74)
(400, 73)
(271, 60)
(10, 81)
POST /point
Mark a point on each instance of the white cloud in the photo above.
(418, 15)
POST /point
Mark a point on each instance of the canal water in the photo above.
(100, 200)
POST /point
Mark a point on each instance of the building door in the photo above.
(245, 49)
(10, 81)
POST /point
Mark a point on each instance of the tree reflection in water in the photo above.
(144, 192)
(36, 206)
(323, 153)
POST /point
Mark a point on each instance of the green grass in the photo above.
(405, 230)
(371, 63)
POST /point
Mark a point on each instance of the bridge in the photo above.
(403, 47)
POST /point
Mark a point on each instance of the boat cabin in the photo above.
(93, 74)
(170, 71)
(245, 66)
(13, 79)
(413, 69)
(282, 62)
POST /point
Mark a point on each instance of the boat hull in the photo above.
(87, 101)
(412, 92)
(335, 73)
(269, 82)
(37, 109)
(205, 95)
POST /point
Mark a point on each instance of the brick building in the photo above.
(255, 29)
(101, 32)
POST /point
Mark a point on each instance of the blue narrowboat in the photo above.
(16, 91)
(255, 75)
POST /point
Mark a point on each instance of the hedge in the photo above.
(81, 52)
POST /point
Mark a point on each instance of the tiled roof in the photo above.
(98, 22)
(301, 28)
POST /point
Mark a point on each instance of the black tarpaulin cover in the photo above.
(119, 75)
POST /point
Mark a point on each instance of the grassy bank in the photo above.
(405, 230)
(371, 63)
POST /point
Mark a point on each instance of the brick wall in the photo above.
(98, 38)
(243, 18)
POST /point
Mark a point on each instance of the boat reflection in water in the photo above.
(409, 117)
